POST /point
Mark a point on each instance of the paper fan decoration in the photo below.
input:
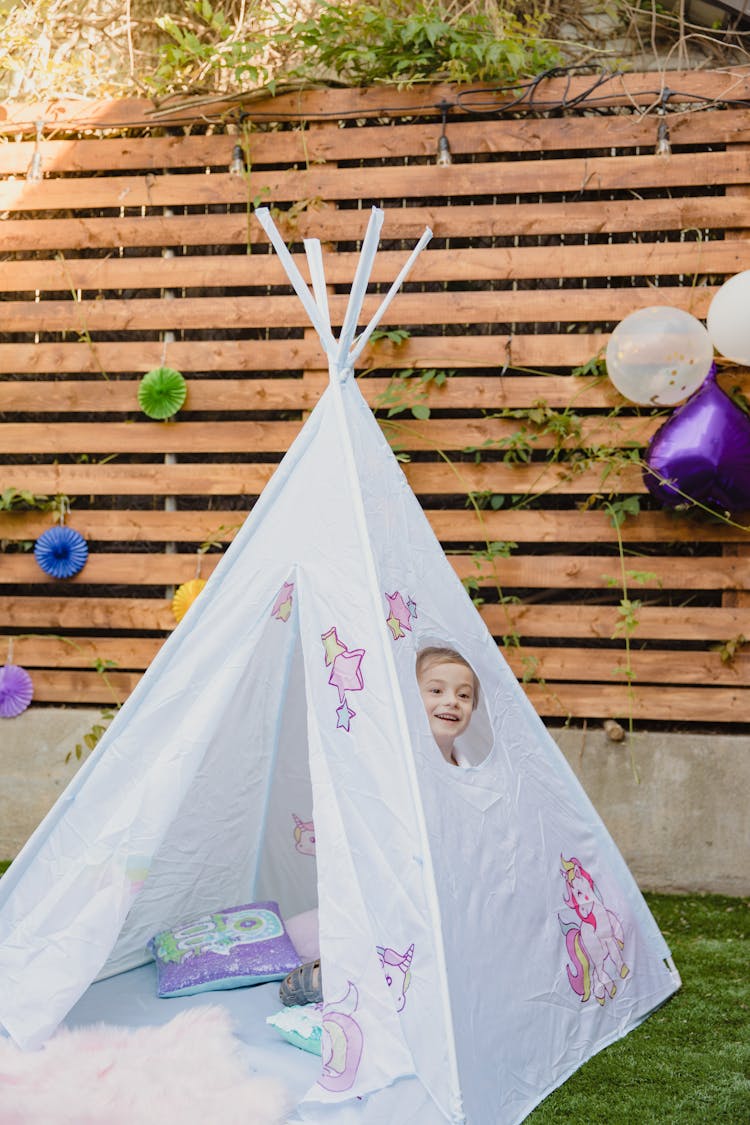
(61, 552)
(185, 596)
(16, 690)
(161, 392)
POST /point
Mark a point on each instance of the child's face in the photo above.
(447, 692)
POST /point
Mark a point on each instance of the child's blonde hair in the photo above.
(428, 657)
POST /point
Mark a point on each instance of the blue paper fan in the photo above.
(61, 552)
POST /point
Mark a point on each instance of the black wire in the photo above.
(469, 102)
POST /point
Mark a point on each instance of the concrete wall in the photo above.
(684, 826)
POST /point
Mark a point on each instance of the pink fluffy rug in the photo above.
(191, 1071)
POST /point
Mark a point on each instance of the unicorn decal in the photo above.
(397, 969)
(595, 939)
(304, 836)
(341, 1043)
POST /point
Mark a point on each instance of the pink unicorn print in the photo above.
(341, 1043)
(397, 969)
(595, 939)
(304, 836)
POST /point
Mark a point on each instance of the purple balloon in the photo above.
(704, 451)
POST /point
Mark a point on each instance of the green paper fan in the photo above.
(161, 392)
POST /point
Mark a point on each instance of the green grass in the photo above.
(690, 1060)
(4, 865)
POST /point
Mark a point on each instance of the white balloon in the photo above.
(659, 356)
(728, 318)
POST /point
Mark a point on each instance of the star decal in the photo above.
(284, 611)
(411, 605)
(394, 625)
(399, 609)
(344, 715)
(282, 607)
(346, 674)
(332, 645)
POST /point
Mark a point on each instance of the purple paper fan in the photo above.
(16, 690)
(61, 552)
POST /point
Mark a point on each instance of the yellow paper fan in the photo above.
(185, 595)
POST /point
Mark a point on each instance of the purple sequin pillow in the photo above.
(226, 949)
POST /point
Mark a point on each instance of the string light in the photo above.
(444, 157)
(237, 163)
(475, 102)
(663, 147)
(34, 173)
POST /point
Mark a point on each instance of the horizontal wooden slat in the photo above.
(229, 395)
(563, 700)
(529, 351)
(552, 664)
(684, 623)
(457, 307)
(331, 225)
(524, 177)
(324, 142)
(521, 526)
(465, 265)
(273, 437)
(620, 89)
(576, 621)
(247, 479)
(545, 572)
(677, 705)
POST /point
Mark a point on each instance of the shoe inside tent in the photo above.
(480, 934)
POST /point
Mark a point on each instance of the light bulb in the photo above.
(444, 157)
(663, 147)
(237, 163)
(34, 172)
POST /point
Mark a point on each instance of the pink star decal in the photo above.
(394, 625)
(346, 674)
(399, 609)
(282, 607)
(332, 645)
(344, 715)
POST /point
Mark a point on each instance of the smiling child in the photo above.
(450, 692)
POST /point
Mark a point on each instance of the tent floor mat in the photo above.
(130, 1000)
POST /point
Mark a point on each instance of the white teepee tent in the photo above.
(515, 939)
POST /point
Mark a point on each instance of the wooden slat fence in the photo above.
(138, 248)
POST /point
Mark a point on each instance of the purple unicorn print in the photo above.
(341, 1043)
(397, 969)
(304, 836)
(594, 940)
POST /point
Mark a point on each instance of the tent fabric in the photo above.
(481, 936)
